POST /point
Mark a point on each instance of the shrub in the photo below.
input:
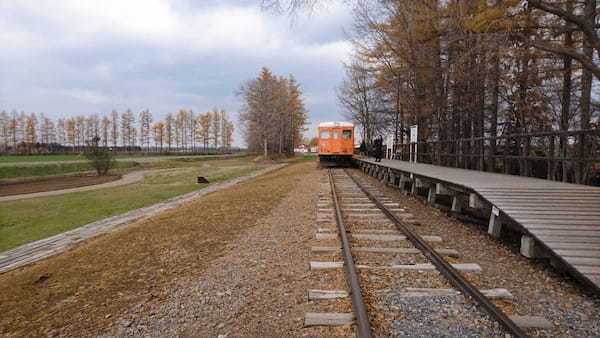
(100, 158)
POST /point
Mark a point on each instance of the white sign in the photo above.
(414, 131)
(495, 211)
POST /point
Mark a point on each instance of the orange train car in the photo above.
(336, 143)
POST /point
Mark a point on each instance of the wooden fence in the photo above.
(568, 156)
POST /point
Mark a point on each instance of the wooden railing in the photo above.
(568, 156)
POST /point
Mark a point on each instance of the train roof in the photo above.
(336, 124)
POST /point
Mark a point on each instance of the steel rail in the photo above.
(466, 287)
(360, 310)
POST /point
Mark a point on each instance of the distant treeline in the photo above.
(186, 131)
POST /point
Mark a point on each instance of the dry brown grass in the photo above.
(89, 286)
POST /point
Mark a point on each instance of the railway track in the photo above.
(372, 228)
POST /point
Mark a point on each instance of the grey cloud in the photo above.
(69, 73)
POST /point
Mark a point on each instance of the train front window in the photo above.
(336, 134)
(347, 134)
(324, 134)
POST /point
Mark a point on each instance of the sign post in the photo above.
(414, 139)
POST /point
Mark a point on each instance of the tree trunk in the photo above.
(566, 97)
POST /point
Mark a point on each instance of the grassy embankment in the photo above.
(24, 221)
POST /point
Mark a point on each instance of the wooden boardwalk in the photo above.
(561, 219)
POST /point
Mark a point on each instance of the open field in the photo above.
(54, 169)
(24, 221)
(9, 160)
(40, 169)
(87, 287)
(60, 158)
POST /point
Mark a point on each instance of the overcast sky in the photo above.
(69, 57)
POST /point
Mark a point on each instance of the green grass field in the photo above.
(24, 221)
(32, 170)
(58, 158)
(307, 158)
(54, 169)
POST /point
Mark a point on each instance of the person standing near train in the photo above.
(378, 149)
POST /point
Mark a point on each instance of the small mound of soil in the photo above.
(28, 186)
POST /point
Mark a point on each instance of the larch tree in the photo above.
(71, 131)
(114, 134)
(273, 114)
(159, 134)
(4, 130)
(105, 129)
(127, 127)
(169, 130)
(61, 131)
(145, 119)
(203, 132)
(215, 128)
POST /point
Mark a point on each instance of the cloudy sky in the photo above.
(69, 57)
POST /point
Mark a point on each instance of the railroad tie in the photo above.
(497, 293)
(326, 294)
(328, 319)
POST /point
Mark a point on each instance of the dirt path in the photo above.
(128, 178)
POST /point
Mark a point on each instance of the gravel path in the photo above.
(128, 178)
(258, 288)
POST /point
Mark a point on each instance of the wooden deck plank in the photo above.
(574, 233)
(579, 253)
(592, 270)
(563, 227)
(527, 221)
(569, 239)
(552, 212)
(585, 261)
(572, 246)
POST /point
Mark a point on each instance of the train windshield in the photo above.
(347, 134)
(324, 134)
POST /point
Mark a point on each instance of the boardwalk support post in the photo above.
(431, 195)
(530, 249)
(475, 202)
(402, 184)
(495, 226)
(457, 203)
(441, 189)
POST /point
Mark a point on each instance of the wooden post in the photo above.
(402, 183)
(265, 144)
(431, 195)
(457, 203)
(441, 189)
(529, 248)
(475, 202)
(550, 169)
(495, 225)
